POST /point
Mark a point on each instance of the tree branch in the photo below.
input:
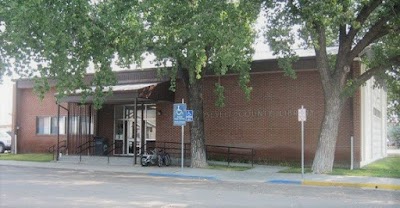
(322, 57)
(375, 70)
(344, 49)
(342, 34)
(362, 17)
(378, 30)
(361, 79)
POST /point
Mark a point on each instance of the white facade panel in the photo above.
(373, 123)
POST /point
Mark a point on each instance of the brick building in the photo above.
(267, 123)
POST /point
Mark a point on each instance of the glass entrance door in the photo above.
(130, 138)
(129, 129)
(125, 122)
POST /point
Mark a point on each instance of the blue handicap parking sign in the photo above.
(189, 115)
(179, 114)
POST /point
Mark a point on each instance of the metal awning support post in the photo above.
(142, 131)
(67, 129)
(80, 127)
(58, 132)
(135, 135)
(182, 142)
(351, 153)
(89, 128)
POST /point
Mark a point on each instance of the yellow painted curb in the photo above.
(354, 185)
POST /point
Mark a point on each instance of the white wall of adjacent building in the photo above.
(373, 122)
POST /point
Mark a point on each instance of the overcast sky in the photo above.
(6, 102)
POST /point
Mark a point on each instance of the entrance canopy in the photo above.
(130, 92)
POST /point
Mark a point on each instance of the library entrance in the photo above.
(134, 128)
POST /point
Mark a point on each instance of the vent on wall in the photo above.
(377, 113)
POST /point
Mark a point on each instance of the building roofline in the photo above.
(147, 75)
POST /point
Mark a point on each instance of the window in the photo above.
(46, 125)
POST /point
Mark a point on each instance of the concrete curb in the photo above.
(174, 175)
(284, 181)
(336, 184)
(352, 184)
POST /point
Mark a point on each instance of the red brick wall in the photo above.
(268, 122)
(29, 107)
(166, 132)
(105, 126)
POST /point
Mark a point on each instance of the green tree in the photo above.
(394, 133)
(352, 25)
(200, 37)
(192, 37)
(394, 97)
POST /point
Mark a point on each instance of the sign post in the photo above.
(302, 116)
(179, 112)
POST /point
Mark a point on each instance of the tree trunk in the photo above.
(197, 139)
(325, 155)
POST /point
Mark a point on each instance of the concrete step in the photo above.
(113, 160)
(98, 160)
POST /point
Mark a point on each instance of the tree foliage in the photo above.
(394, 97)
(354, 27)
(199, 37)
(58, 40)
(394, 133)
(61, 39)
(196, 36)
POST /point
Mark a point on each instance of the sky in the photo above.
(6, 102)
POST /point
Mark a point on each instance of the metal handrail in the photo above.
(109, 151)
(228, 152)
(86, 148)
(177, 148)
(61, 144)
(52, 149)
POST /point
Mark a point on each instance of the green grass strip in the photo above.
(228, 168)
(27, 157)
(387, 167)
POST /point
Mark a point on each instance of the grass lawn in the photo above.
(27, 157)
(388, 167)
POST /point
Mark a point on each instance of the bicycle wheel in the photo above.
(143, 161)
(160, 161)
(167, 159)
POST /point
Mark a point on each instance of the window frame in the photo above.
(48, 125)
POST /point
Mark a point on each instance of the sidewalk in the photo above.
(258, 174)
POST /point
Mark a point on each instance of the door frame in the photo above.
(138, 134)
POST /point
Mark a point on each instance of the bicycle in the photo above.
(159, 157)
(151, 159)
(163, 158)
